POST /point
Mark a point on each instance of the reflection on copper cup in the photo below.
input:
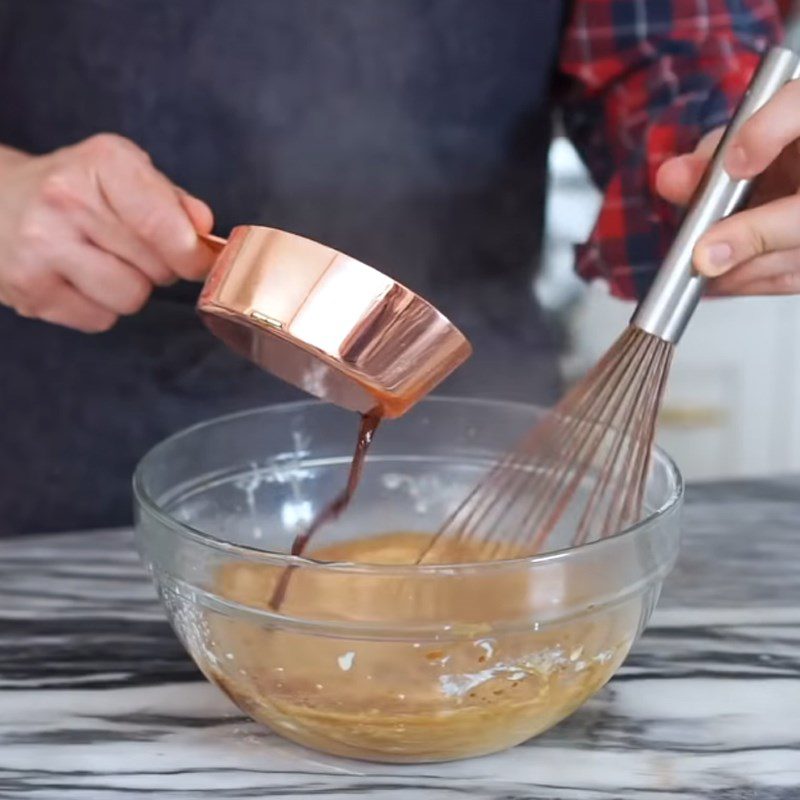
(327, 323)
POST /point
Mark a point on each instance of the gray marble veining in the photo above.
(98, 700)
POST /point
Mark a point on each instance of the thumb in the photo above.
(202, 219)
(199, 213)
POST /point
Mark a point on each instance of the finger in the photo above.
(200, 213)
(708, 144)
(764, 136)
(103, 278)
(761, 268)
(149, 204)
(107, 233)
(66, 306)
(737, 239)
(78, 196)
(774, 273)
(678, 177)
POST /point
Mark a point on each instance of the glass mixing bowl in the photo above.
(386, 662)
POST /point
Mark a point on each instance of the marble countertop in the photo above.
(98, 700)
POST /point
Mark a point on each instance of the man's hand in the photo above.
(87, 231)
(757, 251)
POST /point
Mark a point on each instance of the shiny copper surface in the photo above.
(327, 323)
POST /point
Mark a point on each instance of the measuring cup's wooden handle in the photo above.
(215, 243)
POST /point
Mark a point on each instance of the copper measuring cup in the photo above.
(326, 323)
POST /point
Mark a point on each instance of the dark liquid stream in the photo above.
(366, 432)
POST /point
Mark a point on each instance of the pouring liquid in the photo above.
(366, 432)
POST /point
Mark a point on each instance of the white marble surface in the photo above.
(97, 699)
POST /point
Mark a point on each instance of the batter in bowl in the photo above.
(483, 678)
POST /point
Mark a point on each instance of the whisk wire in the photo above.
(579, 459)
(481, 517)
(565, 446)
(589, 455)
(621, 436)
(626, 434)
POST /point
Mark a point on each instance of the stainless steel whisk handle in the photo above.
(677, 288)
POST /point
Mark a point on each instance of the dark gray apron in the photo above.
(411, 134)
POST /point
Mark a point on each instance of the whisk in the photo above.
(586, 463)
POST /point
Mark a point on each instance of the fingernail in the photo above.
(717, 257)
(737, 159)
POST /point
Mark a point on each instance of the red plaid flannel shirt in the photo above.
(650, 77)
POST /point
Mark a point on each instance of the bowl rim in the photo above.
(142, 497)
